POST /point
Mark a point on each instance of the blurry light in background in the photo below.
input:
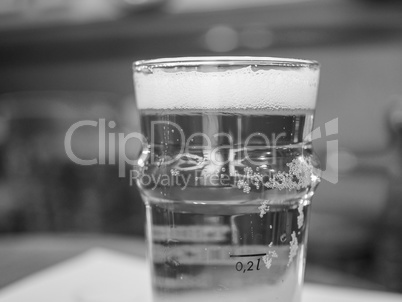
(221, 38)
(186, 6)
(346, 161)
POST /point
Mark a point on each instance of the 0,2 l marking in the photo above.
(249, 266)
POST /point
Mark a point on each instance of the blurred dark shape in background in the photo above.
(388, 247)
(71, 46)
(41, 188)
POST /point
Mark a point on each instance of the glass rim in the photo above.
(196, 61)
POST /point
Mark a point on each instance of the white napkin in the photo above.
(98, 275)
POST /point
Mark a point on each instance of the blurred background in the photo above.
(63, 61)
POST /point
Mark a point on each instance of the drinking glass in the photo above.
(227, 173)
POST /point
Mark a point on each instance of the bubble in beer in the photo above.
(174, 172)
(300, 218)
(112, 124)
(268, 258)
(293, 247)
(264, 208)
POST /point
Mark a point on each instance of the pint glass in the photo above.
(227, 174)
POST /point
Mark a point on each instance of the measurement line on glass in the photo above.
(248, 255)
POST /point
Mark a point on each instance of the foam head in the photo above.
(249, 83)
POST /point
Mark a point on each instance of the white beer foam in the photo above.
(241, 88)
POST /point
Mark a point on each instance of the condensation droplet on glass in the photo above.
(293, 248)
(223, 169)
(300, 218)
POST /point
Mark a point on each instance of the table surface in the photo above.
(84, 278)
(23, 255)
